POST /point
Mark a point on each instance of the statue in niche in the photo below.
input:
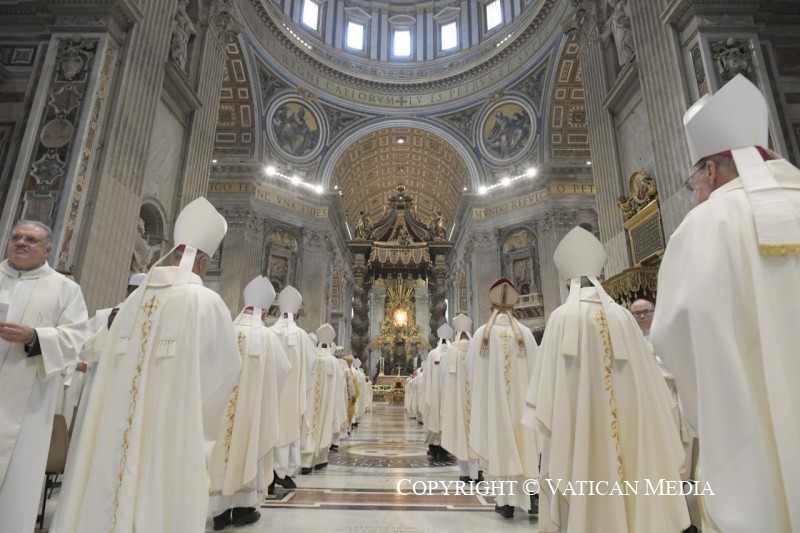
(363, 226)
(732, 57)
(182, 30)
(621, 28)
(143, 252)
(277, 270)
(437, 227)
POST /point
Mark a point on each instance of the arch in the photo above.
(351, 136)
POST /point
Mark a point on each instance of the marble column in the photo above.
(242, 255)
(437, 288)
(312, 282)
(485, 258)
(608, 175)
(663, 82)
(204, 123)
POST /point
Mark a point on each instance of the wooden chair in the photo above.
(56, 460)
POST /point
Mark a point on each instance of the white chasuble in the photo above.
(157, 401)
(321, 401)
(606, 415)
(499, 380)
(250, 429)
(456, 401)
(302, 354)
(54, 306)
(726, 326)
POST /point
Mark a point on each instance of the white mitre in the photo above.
(325, 335)
(445, 332)
(289, 301)
(258, 294)
(736, 118)
(581, 254)
(462, 324)
(200, 226)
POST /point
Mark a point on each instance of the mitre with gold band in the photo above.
(736, 119)
(503, 296)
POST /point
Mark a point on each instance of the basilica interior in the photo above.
(389, 159)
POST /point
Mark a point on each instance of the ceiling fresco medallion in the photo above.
(295, 128)
(507, 130)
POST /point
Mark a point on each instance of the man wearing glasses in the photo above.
(642, 310)
(727, 324)
(43, 323)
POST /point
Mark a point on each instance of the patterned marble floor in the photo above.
(357, 492)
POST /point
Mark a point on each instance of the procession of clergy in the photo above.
(187, 414)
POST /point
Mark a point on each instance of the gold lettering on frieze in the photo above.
(520, 202)
(267, 194)
(571, 188)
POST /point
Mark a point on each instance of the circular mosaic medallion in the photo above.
(389, 450)
(56, 133)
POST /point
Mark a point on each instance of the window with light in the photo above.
(494, 15)
(401, 43)
(310, 15)
(449, 35)
(355, 36)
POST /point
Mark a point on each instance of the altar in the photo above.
(391, 388)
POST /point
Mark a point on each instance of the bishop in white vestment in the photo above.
(158, 399)
(36, 301)
(301, 353)
(457, 401)
(433, 394)
(500, 362)
(317, 435)
(604, 411)
(241, 464)
(726, 322)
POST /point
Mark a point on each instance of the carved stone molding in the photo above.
(224, 21)
(485, 241)
(315, 240)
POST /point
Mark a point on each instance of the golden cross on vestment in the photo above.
(151, 306)
(505, 335)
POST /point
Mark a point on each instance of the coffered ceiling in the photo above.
(369, 171)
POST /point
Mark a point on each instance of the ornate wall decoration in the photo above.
(507, 130)
(642, 189)
(732, 57)
(46, 177)
(17, 55)
(281, 257)
(568, 133)
(295, 129)
(236, 126)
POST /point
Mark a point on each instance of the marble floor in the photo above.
(357, 492)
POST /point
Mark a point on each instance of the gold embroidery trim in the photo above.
(149, 309)
(233, 399)
(608, 382)
(507, 363)
(317, 400)
(779, 249)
